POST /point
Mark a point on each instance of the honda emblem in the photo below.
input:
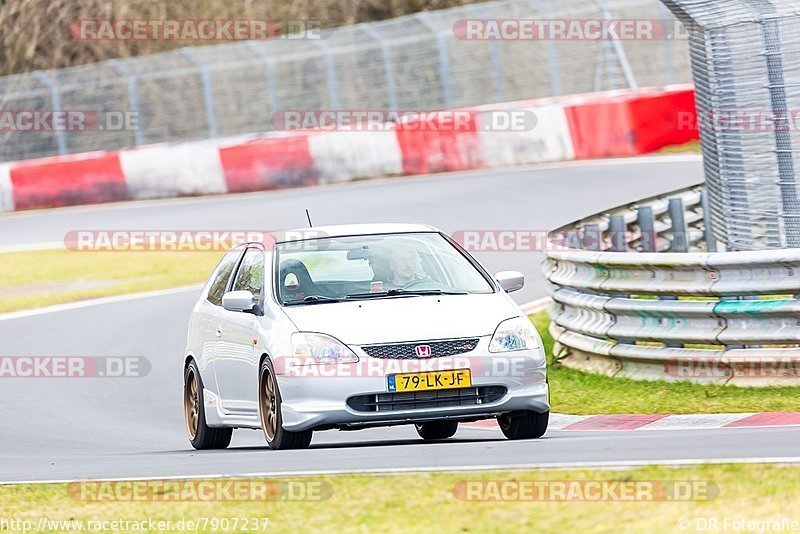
(423, 351)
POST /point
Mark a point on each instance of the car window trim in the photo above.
(250, 246)
(230, 276)
(488, 277)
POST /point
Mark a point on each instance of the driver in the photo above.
(402, 266)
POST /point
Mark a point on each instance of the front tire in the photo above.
(201, 436)
(269, 410)
(436, 430)
(528, 425)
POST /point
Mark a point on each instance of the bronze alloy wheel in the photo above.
(191, 403)
(269, 408)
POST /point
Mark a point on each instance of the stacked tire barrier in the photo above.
(617, 123)
(638, 292)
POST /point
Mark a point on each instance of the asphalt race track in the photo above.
(534, 198)
(56, 429)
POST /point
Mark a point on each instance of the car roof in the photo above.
(341, 230)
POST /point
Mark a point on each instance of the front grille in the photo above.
(420, 400)
(408, 351)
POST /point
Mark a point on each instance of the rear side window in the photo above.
(222, 275)
(251, 272)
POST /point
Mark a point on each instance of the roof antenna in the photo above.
(309, 220)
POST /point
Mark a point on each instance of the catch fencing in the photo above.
(746, 69)
(411, 63)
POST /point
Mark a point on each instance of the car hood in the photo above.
(413, 318)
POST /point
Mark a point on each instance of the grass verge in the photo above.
(428, 502)
(41, 278)
(576, 392)
(690, 147)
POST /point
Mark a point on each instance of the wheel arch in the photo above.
(264, 356)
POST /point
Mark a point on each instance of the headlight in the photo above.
(515, 334)
(319, 348)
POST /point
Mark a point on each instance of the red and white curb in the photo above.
(632, 122)
(652, 422)
(663, 421)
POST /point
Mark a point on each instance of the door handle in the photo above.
(219, 331)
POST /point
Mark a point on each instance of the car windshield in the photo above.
(374, 266)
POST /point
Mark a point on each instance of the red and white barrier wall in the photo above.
(620, 123)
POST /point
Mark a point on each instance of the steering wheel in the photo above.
(414, 283)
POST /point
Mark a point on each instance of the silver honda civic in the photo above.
(356, 326)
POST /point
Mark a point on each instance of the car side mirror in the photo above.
(510, 281)
(238, 301)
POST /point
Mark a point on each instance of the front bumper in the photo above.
(317, 396)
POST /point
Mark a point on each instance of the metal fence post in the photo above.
(668, 61)
(208, 92)
(444, 61)
(784, 150)
(391, 93)
(55, 100)
(133, 97)
(552, 51)
(622, 58)
(494, 58)
(680, 240)
(592, 237)
(330, 71)
(271, 76)
(647, 229)
(708, 229)
(617, 230)
(572, 240)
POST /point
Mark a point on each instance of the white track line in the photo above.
(620, 464)
(58, 308)
(30, 247)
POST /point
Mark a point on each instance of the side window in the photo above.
(222, 275)
(251, 272)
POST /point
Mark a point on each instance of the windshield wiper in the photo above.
(401, 291)
(313, 299)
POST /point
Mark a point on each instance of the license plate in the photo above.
(456, 378)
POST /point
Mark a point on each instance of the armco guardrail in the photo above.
(699, 315)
